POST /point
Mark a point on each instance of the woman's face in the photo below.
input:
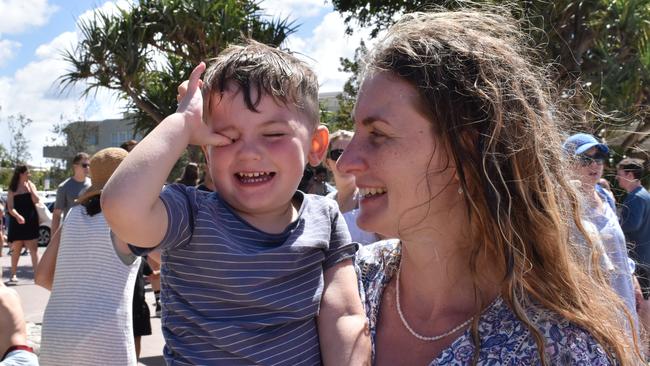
(589, 167)
(340, 177)
(400, 167)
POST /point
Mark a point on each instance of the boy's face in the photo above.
(259, 172)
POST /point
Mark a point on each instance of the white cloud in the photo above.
(34, 91)
(19, 15)
(324, 48)
(53, 50)
(7, 48)
(109, 7)
(295, 9)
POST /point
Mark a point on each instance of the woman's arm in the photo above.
(12, 211)
(31, 187)
(342, 326)
(44, 275)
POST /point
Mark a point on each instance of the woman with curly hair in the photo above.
(457, 152)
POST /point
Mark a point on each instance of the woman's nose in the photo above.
(351, 161)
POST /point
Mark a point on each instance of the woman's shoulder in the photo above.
(564, 342)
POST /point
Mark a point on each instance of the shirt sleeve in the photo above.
(59, 204)
(341, 246)
(20, 358)
(181, 205)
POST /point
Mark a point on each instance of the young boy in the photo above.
(255, 273)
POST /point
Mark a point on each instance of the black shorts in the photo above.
(141, 315)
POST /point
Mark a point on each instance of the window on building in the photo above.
(118, 137)
(91, 139)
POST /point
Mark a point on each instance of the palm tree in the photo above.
(144, 51)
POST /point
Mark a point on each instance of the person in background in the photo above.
(140, 310)
(129, 145)
(319, 184)
(589, 157)
(605, 184)
(23, 227)
(88, 318)
(306, 179)
(635, 217)
(206, 183)
(2, 227)
(190, 176)
(69, 190)
(14, 350)
(346, 191)
(456, 152)
(346, 194)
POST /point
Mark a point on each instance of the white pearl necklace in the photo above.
(414, 333)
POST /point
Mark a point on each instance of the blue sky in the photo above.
(33, 34)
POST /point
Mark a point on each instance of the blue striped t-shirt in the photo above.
(235, 295)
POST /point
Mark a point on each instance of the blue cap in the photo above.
(580, 142)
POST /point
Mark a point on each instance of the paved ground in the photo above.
(35, 299)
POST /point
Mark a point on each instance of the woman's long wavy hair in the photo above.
(492, 110)
(15, 178)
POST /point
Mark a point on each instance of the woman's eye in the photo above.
(274, 134)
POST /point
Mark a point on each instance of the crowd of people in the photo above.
(466, 227)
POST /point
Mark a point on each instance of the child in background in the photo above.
(256, 272)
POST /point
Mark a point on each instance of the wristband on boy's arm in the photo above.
(20, 347)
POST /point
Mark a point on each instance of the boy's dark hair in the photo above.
(632, 165)
(260, 70)
(79, 157)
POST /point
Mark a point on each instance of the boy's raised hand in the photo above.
(191, 107)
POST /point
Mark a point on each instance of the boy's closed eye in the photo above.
(275, 134)
(230, 133)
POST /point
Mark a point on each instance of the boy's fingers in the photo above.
(219, 140)
(182, 90)
(195, 76)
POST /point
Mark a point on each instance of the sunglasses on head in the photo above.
(335, 154)
(598, 158)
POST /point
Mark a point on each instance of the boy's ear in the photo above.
(319, 141)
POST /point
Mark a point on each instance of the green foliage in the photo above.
(57, 174)
(600, 50)
(19, 144)
(144, 51)
(4, 157)
(5, 177)
(342, 118)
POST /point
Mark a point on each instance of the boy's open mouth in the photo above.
(254, 177)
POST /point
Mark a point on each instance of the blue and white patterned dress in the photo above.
(505, 339)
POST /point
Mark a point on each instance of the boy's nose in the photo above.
(249, 150)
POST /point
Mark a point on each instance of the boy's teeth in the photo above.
(252, 175)
(367, 192)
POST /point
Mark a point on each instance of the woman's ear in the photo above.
(319, 141)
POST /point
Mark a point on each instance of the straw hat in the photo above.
(102, 166)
